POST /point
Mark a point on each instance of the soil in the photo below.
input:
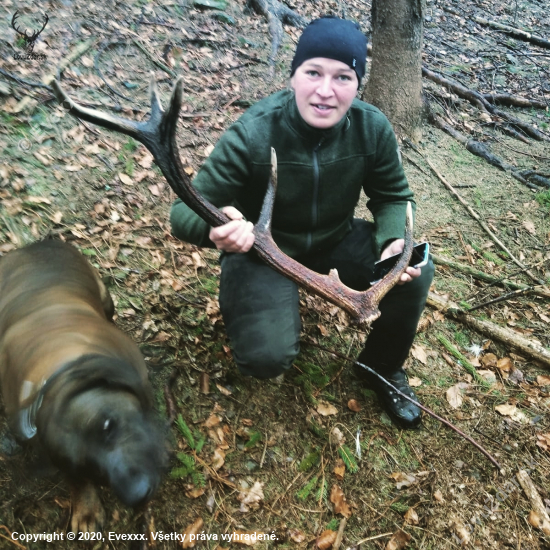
(279, 445)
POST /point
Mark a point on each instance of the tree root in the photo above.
(276, 14)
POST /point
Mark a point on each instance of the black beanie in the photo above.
(333, 38)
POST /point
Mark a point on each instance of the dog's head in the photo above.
(97, 422)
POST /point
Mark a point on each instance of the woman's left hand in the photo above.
(396, 247)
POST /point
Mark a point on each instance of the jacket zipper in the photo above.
(314, 206)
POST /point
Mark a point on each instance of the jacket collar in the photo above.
(309, 133)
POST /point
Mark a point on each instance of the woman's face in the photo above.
(324, 90)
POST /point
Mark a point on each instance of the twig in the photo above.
(425, 409)
(476, 217)
(532, 494)
(154, 59)
(169, 398)
(501, 298)
(340, 534)
(516, 33)
(496, 332)
(468, 270)
(26, 82)
(373, 538)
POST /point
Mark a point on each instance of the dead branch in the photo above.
(468, 270)
(476, 217)
(483, 104)
(502, 298)
(514, 101)
(340, 535)
(493, 331)
(516, 33)
(480, 150)
(276, 14)
(532, 494)
(420, 406)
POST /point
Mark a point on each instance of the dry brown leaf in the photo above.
(338, 498)
(513, 412)
(419, 353)
(212, 420)
(251, 498)
(194, 492)
(489, 360)
(411, 516)
(399, 540)
(218, 459)
(438, 496)
(354, 406)
(223, 391)
(340, 469)
(154, 190)
(489, 375)
(192, 529)
(530, 226)
(296, 535)
(403, 480)
(462, 533)
(544, 441)
(543, 380)
(536, 520)
(415, 382)
(247, 422)
(454, 394)
(336, 437)
(326, 409)
(505, 365)
(326, 539)
(125, 178)
(38, 200)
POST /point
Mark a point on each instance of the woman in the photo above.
(329, 146)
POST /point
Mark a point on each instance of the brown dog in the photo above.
(74, 383)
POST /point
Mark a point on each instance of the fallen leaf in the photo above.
(212, 420)
(414, 382)
(536, 520)
(296, 535)
(336, 437)
(251, 498)
(454, 394)
(399, 540)
(247, 422)
(38, 200)
(402, 479)
(419, 353)
(530, 226)
(489, 360)
(194, 492)
(326, 409)
(193, 529)
(438, 496)
(513, 412)
(354, 406)
(339, 469)
(125, 178)
(505, 365)
(223, 391)
(462, 533)
(488, 375)
(543, 380)
(411, 516)
(218, 459)
(544, 441)
(326, 539)
(338, 498)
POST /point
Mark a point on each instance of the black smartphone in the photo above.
(419, 258)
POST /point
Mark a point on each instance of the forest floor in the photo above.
(255, 456)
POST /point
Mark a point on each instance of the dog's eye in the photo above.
(108, 425)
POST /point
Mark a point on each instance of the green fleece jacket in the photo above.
(320, 176)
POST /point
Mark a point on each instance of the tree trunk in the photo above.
(395, 79)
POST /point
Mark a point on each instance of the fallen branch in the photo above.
(525, 346)
(514, 101)
(276, 14)
(482, 104)
(541, 519)
(405, 396)
(501, 298)
(480, 150)
(75, 54)
(468, 270)
(516, 33)
(340, 535)
(476, 217)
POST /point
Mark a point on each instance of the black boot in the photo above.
(402, 411)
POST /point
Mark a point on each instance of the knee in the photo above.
(268, 361)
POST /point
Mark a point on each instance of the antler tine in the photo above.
(13, 21)
(158, 134)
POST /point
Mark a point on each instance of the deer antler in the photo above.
(35, 34)
(158, 134)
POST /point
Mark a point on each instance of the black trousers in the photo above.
(260, 307)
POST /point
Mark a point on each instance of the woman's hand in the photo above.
(396, 247)
(234, 236)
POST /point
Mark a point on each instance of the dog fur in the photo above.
(72, 382)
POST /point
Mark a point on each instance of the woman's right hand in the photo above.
(234, 236)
